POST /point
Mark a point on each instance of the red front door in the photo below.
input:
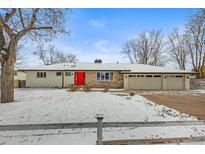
(79, 78)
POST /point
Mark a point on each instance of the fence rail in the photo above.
(95, 124)
(153, 123)
(100, 125)
(47, 126)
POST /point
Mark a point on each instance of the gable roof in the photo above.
(123, 67)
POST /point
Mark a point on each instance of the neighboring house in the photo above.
(19, 79)
(96, 75)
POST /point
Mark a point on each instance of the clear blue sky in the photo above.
(101, 33)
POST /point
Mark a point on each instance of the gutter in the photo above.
(24, 70)
(159, 72)
(121, 71)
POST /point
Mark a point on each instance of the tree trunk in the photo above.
(7, 82)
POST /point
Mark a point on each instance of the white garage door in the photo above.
(175, 82)
(153, 82)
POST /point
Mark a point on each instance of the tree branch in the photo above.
(9, 15)
(23, 32)
(21, 18)
(41, 28)
(6, 27)
(33, 18)
(30, 25)
(2, 38)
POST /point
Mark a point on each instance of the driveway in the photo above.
(189, 102)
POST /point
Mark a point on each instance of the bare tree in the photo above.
(130, 50)
(195, 41)
(145, 49)
(50, 55)
(46, 55)
(28, 23)
(65, 58)
(177, 48)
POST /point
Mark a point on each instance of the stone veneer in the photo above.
(91, 80)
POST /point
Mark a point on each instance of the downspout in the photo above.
(62, 79)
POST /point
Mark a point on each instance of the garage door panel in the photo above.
(175, 82)
(145, 83)
(154, 82)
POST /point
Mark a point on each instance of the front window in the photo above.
(41, 74)
(58, 73)
(104, 76)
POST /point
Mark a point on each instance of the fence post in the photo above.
(99, 128)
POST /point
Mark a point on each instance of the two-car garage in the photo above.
(156, 81)
(141, 81)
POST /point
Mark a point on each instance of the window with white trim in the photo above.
(41, 74)
(149, 76)
(132, 76)
(157, 76)
(104, 76)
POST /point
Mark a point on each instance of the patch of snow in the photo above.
(202, 91)
(172, 93)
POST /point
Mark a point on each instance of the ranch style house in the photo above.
(112, 75)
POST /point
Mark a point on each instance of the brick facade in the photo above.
(91, 80)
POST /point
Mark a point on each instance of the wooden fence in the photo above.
(100, 125)
(197, 83)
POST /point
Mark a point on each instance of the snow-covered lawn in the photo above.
(59, 105)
